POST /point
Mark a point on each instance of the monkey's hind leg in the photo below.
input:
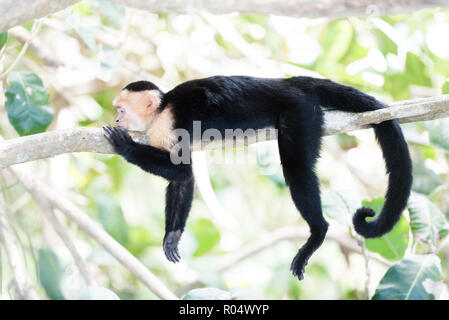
(299, 145)
(179, 198)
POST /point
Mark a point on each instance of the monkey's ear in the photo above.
(152, 101)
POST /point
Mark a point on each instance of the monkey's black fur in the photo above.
(291, 105)
(140, 86)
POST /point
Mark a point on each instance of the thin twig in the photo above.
(96, 232)
(287, 233)
(35, 29)
(49, 213)
(24, 36)
(361, 243)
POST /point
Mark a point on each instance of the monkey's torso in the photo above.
(234, 102)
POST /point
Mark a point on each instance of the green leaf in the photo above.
(82, 9)
(439, 134)
(340, 205)
(207, 294)
(84, 33)
(206, 234)
(113, 13)
(428, 152)
(445, 88)
(277, 178)
(3, 38)
(109, 59)
(417, 70)
(440, 66)
(139, 239)
(111, 217)
(27, 103)
(417, 277)
(354, 52)
(386, 45)
(397, 85)
(427, 221)
(424, 179)
(335, 40)
(392, 245)
(346, 141)
(269, 167)
(50, 272)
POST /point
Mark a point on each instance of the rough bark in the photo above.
(15, 12)
(52, 143)
(293, 8)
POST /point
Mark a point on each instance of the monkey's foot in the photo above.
(298, 265)
(170, 245)
(118, 138)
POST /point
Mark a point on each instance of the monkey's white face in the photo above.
(135, 108)
(120, 119)
(130, 120)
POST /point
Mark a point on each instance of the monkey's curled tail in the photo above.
(395, 152)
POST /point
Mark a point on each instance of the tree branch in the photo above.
(38, 188)
(24, 36)
(15, 12)
(294, 8)
(49, 144)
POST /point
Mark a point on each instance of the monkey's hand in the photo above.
(118, 138)
(171, 240)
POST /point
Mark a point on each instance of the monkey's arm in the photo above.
(179, 192)
(150, 159)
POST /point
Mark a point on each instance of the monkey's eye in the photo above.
(120, 110)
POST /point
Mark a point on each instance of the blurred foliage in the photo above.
(417, 277)
(27, 103)
(393, 245)
(50, 273)
(96, 47)
(3, 38)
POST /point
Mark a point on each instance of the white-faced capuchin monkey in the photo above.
(293, 106)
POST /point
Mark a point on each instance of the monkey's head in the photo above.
(135, 105)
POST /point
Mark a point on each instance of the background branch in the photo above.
(52, 143)
(40, 189)
(24, 287)
(49, 212)
(15, 12)
(289, 233)
(24, 36)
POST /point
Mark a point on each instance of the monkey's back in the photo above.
(229, 102)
